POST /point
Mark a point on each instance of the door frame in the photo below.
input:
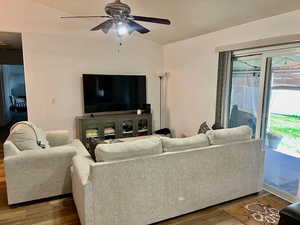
(264, 97)
(266, 82)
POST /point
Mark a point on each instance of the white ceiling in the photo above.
(189, 18)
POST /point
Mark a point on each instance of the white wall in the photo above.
(54, 65)
(56, 53)
(193, 65)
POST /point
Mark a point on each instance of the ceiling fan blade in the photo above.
(151, 20)
(133, 26)
(80, 17)
(105, 27)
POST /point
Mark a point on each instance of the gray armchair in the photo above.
(41, 173)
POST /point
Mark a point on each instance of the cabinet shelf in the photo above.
(105, 135)
(128, 132)
(143, 130)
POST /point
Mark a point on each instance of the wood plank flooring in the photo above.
(62, 211)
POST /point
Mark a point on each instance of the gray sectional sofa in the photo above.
(169, 178)
(135, 182)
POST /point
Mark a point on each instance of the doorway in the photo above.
(281, 123)
(13, 104)
(264, 94)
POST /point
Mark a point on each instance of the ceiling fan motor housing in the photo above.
(117, 9)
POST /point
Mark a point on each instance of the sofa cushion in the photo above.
(27, 136)
(58, 137)
(125, 150)
(224, 136)
(180, 144)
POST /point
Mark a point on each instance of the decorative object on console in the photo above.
(127, 126)
(203, 128)
(109, 131)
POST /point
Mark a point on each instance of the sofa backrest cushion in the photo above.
(180, 144)
(225, 136)
(125, 150)
(27, 136)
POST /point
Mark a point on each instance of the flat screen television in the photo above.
(110, 93)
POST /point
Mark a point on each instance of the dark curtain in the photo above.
(222, 90)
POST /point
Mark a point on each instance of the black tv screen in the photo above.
(109, 93)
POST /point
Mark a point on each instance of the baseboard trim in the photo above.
(286, 196)
(17, 205)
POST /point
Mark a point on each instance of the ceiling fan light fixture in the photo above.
(122, 30)
(120, 19)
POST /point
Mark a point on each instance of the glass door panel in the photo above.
(127, 128)
(143, 127)
(281, 130)
(245, 92)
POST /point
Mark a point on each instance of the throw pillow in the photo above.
(27, 136)
(203, 128)
(180, 144)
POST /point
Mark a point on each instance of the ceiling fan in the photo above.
(119, 17)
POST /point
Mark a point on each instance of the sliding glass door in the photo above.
(244, 95)
(264, 93)
(281, 123)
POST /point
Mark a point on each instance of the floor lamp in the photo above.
(162, 93)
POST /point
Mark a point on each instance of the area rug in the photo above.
(260, 211)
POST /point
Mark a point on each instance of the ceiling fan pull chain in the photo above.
(120, 44)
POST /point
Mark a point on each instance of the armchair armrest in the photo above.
(81, 167)
(35, 174)
(10, 149)
(58, 137)
(82, 188)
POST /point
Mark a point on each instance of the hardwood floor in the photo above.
(63, 212)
